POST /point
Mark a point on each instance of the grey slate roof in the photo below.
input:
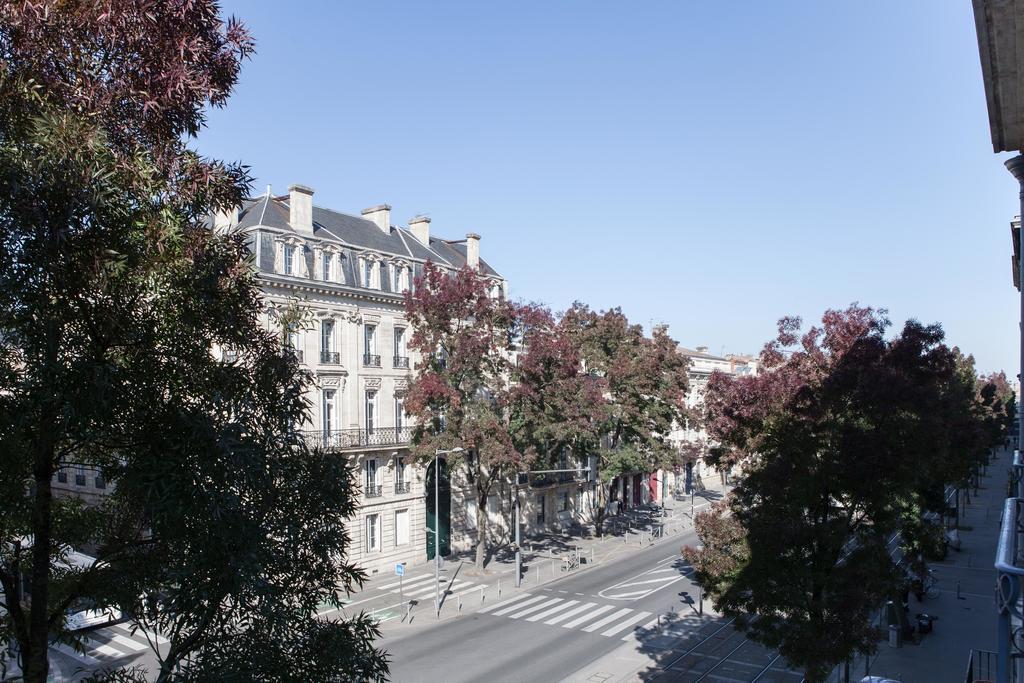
(341, 228)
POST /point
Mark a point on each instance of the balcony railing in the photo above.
(359, 438)
(330, 357)
(373, 491)
(401, 487)
(295, 353)
(401, 361)
(371, 360)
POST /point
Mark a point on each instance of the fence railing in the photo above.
(358, 438)
(981, 666)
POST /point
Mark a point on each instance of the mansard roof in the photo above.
(354, 231)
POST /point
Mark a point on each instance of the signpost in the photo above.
(400, 572)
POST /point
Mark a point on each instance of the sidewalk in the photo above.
(463, 589)
(967, 621)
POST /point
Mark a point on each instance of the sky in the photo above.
(712, 166)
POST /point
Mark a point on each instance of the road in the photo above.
(565, 626)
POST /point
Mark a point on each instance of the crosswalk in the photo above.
(588, 617)
(423, 586)
(110, 643)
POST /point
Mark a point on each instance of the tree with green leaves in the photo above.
(645, 384)
(844, 439)
(223, 532)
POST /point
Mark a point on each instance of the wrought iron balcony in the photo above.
(371, 360)
(401, 487)
(339, 439)
(401, 361)
(330, 357)
(295, 353)
(373, 491)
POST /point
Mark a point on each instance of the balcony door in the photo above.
(330, 420)
(371, 411)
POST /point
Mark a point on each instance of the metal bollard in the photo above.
(460, 602)
(499, 586)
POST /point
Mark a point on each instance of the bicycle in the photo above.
(926, 587)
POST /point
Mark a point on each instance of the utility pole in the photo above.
(437, 528)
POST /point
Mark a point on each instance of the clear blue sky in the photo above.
(709, 165)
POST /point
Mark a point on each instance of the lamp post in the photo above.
(437, 529)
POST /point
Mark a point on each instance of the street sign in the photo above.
(399, 569)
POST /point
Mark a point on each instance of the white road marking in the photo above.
(666, 569)
(571, 613)
(531, 610)
(403, 583)
(496, 605)
(106, 650)
(646, 627)
(72, 652)
(629, 595)
(558, 608)
(128, 642)
(614, 594)
(607, 620)
(588, 616)
(626, 623)
(513, 608)
(152, 636)
(641, 583)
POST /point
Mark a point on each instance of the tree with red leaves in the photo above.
(220, 530)
(844, 439)
(459, 394)
(645, 384)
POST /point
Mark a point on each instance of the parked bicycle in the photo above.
(925, 586)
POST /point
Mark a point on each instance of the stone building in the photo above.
(348, 273)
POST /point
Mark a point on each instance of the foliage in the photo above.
(459, 392)
(844, 440)
(223, 532)
(645, 384)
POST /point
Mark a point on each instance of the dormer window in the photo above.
(328, 259)
(367, 273)
(289, 259)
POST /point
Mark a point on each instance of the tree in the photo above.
(459, 392)
(555, 406)
(842, 440)
(645, 380)
(223, 531)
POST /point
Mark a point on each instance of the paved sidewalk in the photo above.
(411, 605)
(967, 621)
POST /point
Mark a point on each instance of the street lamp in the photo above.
(437, 529)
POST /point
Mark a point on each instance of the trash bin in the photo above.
(895, 637)
(924, 623)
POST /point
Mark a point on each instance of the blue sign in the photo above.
(399, 569)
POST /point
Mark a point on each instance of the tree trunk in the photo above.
(481, 528)
(35, 651)
(601, 509)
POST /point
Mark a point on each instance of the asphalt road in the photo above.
(549, 633)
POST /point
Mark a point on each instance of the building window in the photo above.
(401, 527)
(99, 482)
(399, 413)
(367, 273)
(62, 476)
(80, 477)
(328, 410)
(383, 278)
(563, 501)
(289, 259)
(396, 272)
(328, 259)
(401, 483)
(372, 485)
(400, 360)
(371, 409)
(372, 533)
(541, 504)
(370, 357)
(327, 344)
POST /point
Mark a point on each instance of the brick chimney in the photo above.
(420, 227)
(300, 208)
(381, 215)
(473, 251)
